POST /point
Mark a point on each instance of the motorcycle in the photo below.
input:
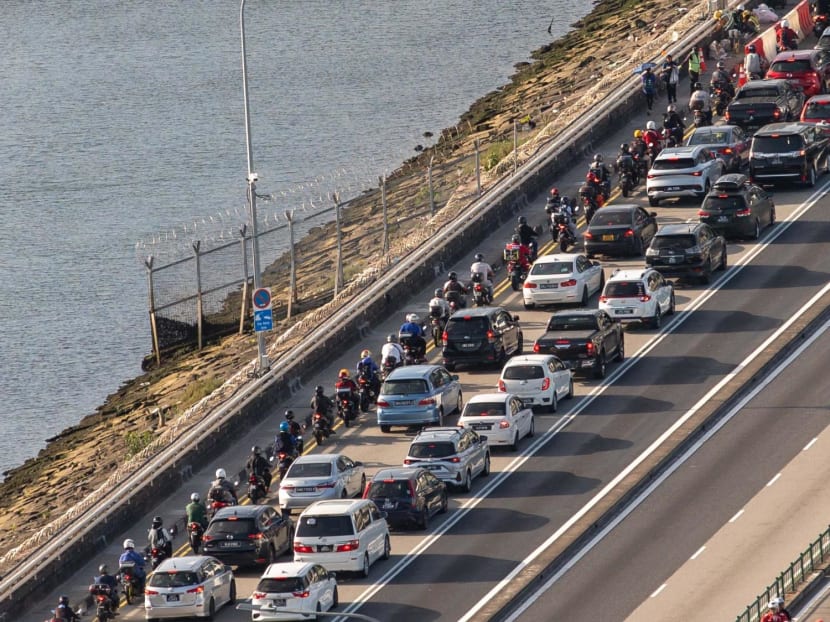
(820, 22)
(436, 322)
(481, 298)
(626, 182)
(215, 506)
(284, 460)
(566, 237)
(319, 428)
(387, 367)
(515, 272)
(130, 583)
(102, 598)
(366, 389)
(346, 406)
(413, 353)
(155, 556)
(256, 488)
(456, 300)
(641, 162)
(194, 534)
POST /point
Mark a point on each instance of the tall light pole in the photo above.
(264, 364)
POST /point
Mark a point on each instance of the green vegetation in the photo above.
(199, 388)
(136, 441)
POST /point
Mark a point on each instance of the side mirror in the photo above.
(455, 376)
(384, 515)
(358, 463)
(228, 569)
(595, 263)
(173, 531)
(515, 318)
(481, 438)
(653, 214)
(332, 575)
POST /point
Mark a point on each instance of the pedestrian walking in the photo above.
(649, 87)
(670, 73)
(694, 60)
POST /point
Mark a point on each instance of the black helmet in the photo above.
(624, 147)
(64, 600)
(319, 389)
(697, 86)
(289, 414)
(479, 257)
(102, 569)
(522, 220)
(392, 338)
(439, 293)
(516, 239)
(598, 157)
(564, 200)
(452, 276)
(157, 522)
(256, 450)
(752, 48)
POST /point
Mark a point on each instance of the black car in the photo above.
(759, 102)
(687, 250)
(620, 230)
(788, 152)
(408, 496)
(247, 535)
(737, 208)
(481, 335)
(729, 142)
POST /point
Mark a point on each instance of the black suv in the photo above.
(408, 496)
(481, 335)
(247, 535)
(788, 151)
(736, 207)
(690, 249)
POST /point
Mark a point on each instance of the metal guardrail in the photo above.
(794, 575)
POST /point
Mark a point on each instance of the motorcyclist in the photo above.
(454, 288)
(564, 215)
(321, 403)
(296, 429)
(412, 334)
(439, 307)
(787, 38)
(722, 80)
(284, 441)
(673, 123)
(346, 386)
(527, 235)
(553, 201)
(651, 137)
(516, 251)
(222, 489)
(588, 194)
(625, 163)
(700, 101)
(776, 612)
(752, 64)
(105, 578)
(601, 172)
(196, 511)
(367, 365)
(479, 266)
(411, 326)
(130, 556)
(64, 610)
(392, 350)
(258, 465)
(159, 538)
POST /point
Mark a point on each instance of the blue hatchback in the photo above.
(418, 395)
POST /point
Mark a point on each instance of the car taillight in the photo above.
(536, 348)
(207, 538)
(405, 461)
(504, 424)
(299, 547)
(629, 233)
(703, 214)
(651, 176)
(545, 384)
(502, 387)
(286, 486)
(255, 536)
(529, 285)
(603, 298)
(150, 592)
(382, 403)
(196, 590)
(645, 298)
(351, 545)
(444, 337)
(491, 336)
(590, 347)
(776, 114)
(259, 595)
(331, 484)
(744, 212)
(726, 150)
(568, 283)
(455, 460)
(427, 401)
(300, 594)
(727, 115)
(587, 235)
(697, 174)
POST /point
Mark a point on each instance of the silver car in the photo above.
(321, 476)
(683, 172)
(184, 587)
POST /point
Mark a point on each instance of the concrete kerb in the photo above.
(549, 562)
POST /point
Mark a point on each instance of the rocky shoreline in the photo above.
(78, 459)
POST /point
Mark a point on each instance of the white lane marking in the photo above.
(773, 480)
(810, 444)
(581, 405)
(658, 590)
(698, 552)
(669, 471)
(737, 515)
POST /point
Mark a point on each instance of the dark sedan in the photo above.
(248, 535)
(737, 208)
(729, 142)
(409, 496)
(620, 230)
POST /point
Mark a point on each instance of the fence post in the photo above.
(154, 332)
(243, 230)
(515, 146)
(478, 166)
(382, 182)
(199, 315)
(338, 274)
(292, 287)
(431, 189)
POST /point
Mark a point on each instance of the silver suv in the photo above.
(683, 172)
(454, 455)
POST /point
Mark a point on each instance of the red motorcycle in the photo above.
(284, 460)
(102, 598)
(346, 407)
(194, 532)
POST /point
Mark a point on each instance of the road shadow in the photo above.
(499, 520)
(527, 483)
(673, 370)
(769, 278)
(606, 404)
(476, 568)
(710, 321)
(380, 610)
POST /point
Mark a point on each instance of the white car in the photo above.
(296, 586)
(316, 477)
(562, 279)
(537, 379)
(191, 586)
(637, 295)
(501, 417)
(683, 172)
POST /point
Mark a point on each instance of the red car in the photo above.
(804, 69)
(817, 110)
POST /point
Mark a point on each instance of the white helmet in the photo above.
(195, 497)
(775, 602)
(220, 474)
(785, 23)
(412, 317)
(651, 125)
(129, 544)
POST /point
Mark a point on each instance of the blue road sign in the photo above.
(263, 320)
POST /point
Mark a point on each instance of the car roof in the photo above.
(558, 257)
(670, 152)
(240, 511)
(310, 458)
(332, 506)
(822, 98)
(786, 127)
(436, 434)
(489, 397)
(795, 54)
(573, 312)
(684, 228)
(520, 359)
(188, 563)
(412, 371)
(287, 569)
(626, 207)
(395, 473)
(732, 182)
(757, 84)
(628, 275)
(476, 312)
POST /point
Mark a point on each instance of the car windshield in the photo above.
(466, 326)
(757, 92)
(671, 163)
(817, 110)
(777, 143)
(484, 409)
(324, 526)
(791, 66)
(389, 488)
(230, 526)
(572, 322)
(673, 241)
(280, 585)
(709, 137)
(623, 289)
(404, 387)
(552, 267)
(432, 450)
(309, 469)
(611, 218)
(723, 202)
(523, 372)
(174, 578)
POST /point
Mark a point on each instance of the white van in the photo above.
(342, 534)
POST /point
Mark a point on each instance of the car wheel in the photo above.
(364, 571)
(570, 390)
(445, 503)
(601, 281)
(554, 403)
(502, 358)
(532, 431)
(529, 305)
(672, 304)
(513, 446)
(386, 429)
(584, 301)
(723, 264)
(811, 176)
(486, 471)
(772, 216)
(232, 596)
(440, 417)
(637, 251)
(706, 275)
(467, 484)
(269, 556)
(599, 366)
(590, 255)
(450, 366)
(211, 609)
(657, 319)
(423, 522)
(387, 549)
(621, 349)
(756, 230)
(654, 202)
(344, 494)
(335, 598)
(520, 345)
(318, 609)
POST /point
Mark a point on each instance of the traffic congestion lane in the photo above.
(702, 545)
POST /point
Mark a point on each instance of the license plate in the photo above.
(469, 346)
(776, 160)
(405, 403)
(608, 237)
(433, 467)
(306, 489)
(675, 259)
(548, 285)
(481, 426)
(389, 505)
(172, 598)
(623, 311)
(325, 548)
(230, 545)
(673, 188)
(527, 400)
(278, 602)
(723, 218)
